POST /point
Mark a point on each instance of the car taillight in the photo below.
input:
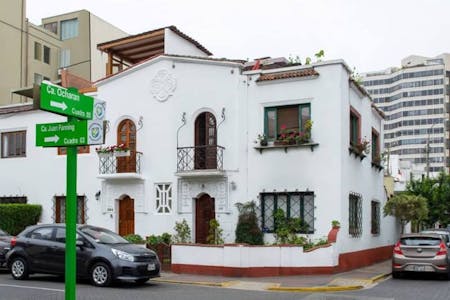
(442, 249)
(397, 249)
(13, 241)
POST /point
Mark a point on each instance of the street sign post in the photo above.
(66, 102)
(75, 133)
(84, 126)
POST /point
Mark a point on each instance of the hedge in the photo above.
(16, 217)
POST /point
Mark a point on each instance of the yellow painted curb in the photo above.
(317, 288)
(379, 277)
(205, 283)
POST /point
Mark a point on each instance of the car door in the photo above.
(39, 247)
(59, 250)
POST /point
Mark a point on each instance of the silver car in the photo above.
(421, 252)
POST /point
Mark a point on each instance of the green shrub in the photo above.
(164, 238)
(286, 229)
(134, 239)
(215, 233)
(16, 217)
(183, 232)
(247, 229)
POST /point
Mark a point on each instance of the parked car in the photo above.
(102, 255)
(444, 232)
(421, 252)
(4, 247)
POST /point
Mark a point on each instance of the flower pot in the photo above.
(121, 153)
(103, 154)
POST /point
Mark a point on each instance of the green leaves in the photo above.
(16, 217)
(406, 208)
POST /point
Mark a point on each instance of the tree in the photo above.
(437, 193)
(247, 229)
(406, 208)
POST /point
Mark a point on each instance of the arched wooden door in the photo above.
(205, 141)
(204, 213)
(126, 134)
(126, 216)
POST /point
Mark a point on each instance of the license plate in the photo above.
(151, 267)
(419, 268)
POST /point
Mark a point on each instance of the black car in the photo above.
(4, 246)
(102, 255)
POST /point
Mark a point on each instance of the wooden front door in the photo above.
(204, 213)
(126, 216)
(126, 134)
(205, 141)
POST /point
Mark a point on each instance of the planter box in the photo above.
(121, 153)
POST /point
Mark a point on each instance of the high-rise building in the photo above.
(32, 53)
(415, 101)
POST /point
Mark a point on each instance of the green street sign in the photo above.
(66, 102)
(75, 133)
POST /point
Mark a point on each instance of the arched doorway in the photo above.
(126, 134)
(205, 141)
(126, 215)
(204, 213)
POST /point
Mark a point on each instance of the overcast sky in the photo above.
(368, 34)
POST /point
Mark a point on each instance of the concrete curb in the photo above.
(317, 288)
(204, 283)
(380, 277)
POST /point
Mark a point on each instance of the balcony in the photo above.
(200, 161)
(119, 167)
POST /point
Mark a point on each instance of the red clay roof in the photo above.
(287, 74)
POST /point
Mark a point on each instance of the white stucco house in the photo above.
(191, 122)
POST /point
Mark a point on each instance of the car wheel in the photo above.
(396, 275)
(142, 280)
(19, 268)
(101, 274)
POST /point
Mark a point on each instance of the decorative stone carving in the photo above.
(113, 190)
(189, 189)
(163, 85)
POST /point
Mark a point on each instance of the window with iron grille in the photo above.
(375, 221)
(14, 144)
(60, 209)
(355, 131)
(164, 198)
(355, 215)
(294, 205)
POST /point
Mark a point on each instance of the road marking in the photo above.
(31, 287)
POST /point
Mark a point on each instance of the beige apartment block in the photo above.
(39, 52)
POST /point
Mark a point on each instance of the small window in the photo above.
(13, 199)
(292, 117)
(69, 29)
(375, 146)
(355, 131)
(53, 27)
(163, 198)
(37, 51)
(65, 58)
(46, 55)
(355, 215)
(14, 144)
(60, 209)
(375, 220)
(80, 150)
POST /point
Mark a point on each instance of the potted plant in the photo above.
(262, 139)
(104, 151)
(121, 150)
(335, 224)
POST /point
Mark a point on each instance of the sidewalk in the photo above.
(352, 280)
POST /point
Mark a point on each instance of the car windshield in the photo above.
(104, 236)
(420, 241)
(443, 234)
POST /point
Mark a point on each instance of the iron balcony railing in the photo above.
(111, 164)
(200, 158)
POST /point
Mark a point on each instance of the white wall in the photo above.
(175, 44)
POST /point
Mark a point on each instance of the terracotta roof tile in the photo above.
(287, 74)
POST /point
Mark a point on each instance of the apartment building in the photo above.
(414, 98)
(34, 53)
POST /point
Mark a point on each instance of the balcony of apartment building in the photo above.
(200, 161)
(120, 165)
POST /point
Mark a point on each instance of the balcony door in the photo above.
(126, 134)
(205, 141)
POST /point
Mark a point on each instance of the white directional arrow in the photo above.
(53, 139)
(60, 105)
